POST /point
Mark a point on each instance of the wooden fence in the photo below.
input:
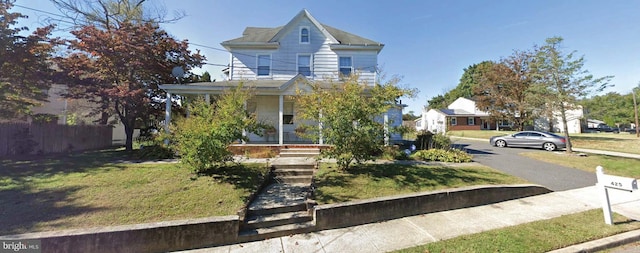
(26, 138)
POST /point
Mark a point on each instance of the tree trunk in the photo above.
(128, 130)
(565, 127)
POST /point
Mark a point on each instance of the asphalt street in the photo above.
(509, 160)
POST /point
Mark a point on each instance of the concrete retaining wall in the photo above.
(149, 237)
(386, 208)
(213, 231)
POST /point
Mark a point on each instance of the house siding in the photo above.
(284, 59)
(462, 124)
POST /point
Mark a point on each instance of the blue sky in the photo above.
(427, 43)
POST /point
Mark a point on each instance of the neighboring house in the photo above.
(276, 62)
(420, 124)
(594, 123)
(574, 122)
(73, 111)
(462, 114)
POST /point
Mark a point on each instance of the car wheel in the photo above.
(501, 143)
(548, 146)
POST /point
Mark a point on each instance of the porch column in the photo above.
(320, 140)
(386, 129)
(280, 120)
(167, 115)
(244, 130)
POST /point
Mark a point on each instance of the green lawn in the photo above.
(622, 142)
(91, 190)
(376, 180)
(539, 236)
(626, 167)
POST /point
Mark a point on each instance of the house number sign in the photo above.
(606, 182)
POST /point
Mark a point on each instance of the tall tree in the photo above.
(505, 89)
(120, 69)
(612, 108)
(25, 69)
(111, 14)
(350, 113)
(564, 79)
(468, 81)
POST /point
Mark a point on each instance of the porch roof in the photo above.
(262, 86)
(461, 112)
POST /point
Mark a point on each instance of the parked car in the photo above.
(602, 128)
(534, 139)
(631, 130)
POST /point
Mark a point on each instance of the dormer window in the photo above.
(304, 35)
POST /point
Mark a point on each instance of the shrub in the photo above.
(393, 153)
(154, 152)
(202, 139)
(442, 155)
(423, 140)
(440, 141)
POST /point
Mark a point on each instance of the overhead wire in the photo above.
(374, 68)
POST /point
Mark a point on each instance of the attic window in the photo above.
(304, 35)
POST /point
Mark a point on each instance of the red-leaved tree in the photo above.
(25, 67)
(120, 70)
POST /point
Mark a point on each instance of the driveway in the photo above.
(508, 160)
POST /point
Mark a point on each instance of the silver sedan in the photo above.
(533, 139)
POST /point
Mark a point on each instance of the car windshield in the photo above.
(554, 135)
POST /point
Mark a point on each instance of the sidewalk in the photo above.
(422, 229)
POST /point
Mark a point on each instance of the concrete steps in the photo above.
(277, 231)
(300, 152)
(281, 209)
(277, 219)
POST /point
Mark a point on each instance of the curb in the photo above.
(602, 244)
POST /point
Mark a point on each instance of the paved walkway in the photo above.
(422, 229)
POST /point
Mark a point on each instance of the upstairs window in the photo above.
(304, 35)
(304, 65)
(345, 65)
(264, 65)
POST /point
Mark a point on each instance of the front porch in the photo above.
(273, 105)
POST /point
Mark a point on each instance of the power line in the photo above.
(199, 45)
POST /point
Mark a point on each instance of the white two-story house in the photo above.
(276, 62)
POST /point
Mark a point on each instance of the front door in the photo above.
(486, 124)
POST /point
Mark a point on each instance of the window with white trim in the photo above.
(287, 113)
(345, 65)
(304, 64)
(304, 35)
(471, 121)
(454, 121)
(264, 65)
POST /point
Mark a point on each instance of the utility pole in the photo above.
(635, 111)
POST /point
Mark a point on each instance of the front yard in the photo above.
(90, 190)
(95, 189)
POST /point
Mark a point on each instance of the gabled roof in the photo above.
(269, 37)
